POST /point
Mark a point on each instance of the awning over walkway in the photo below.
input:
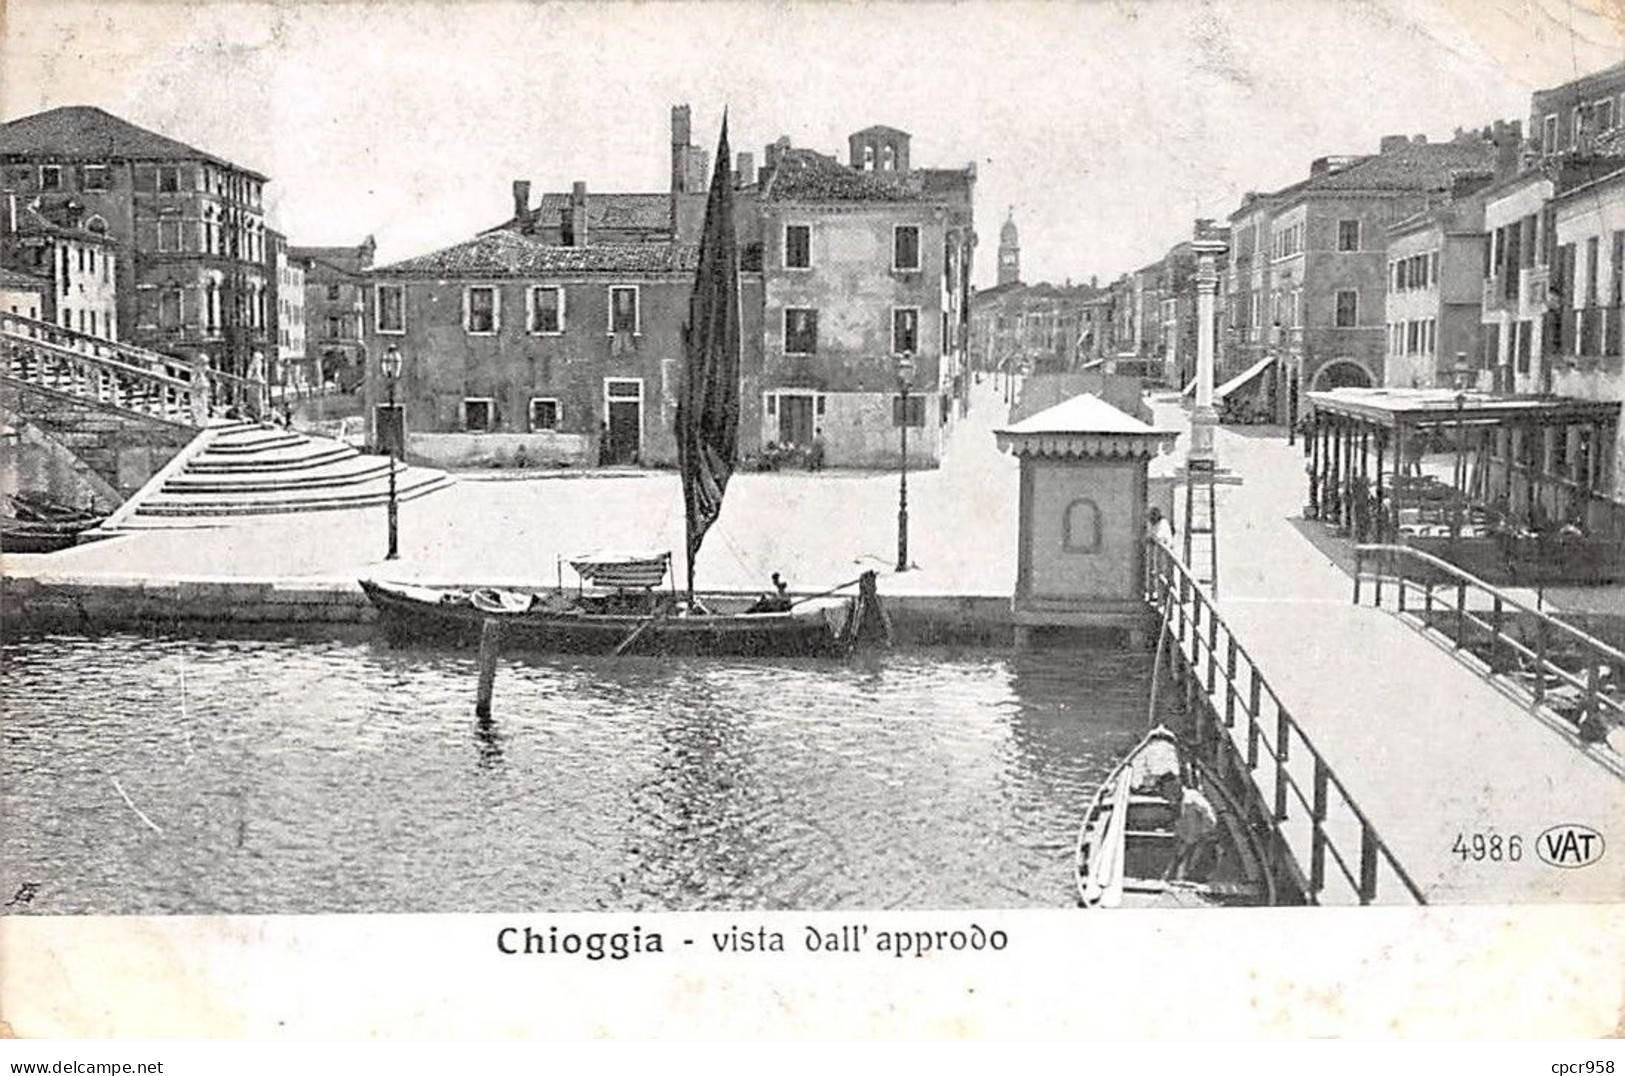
(1391, 407)
(1243, 379)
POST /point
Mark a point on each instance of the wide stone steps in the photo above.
(244, 469)
(340, 471)
(410, 482)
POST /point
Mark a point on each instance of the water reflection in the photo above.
(335, 776)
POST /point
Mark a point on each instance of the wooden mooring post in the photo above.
(490, 643)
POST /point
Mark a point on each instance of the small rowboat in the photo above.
(562, 621)
(1127, 840)
(24, 536)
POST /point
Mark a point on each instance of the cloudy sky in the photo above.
(1108, 126)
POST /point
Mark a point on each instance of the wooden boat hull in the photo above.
(23, 537)
(1126, 840)
(412, 614)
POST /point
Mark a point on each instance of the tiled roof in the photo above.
(649, 212)
(82, 131)
(11, 278)
(803, 175)
(505, 253)
(1428, 166)
(344, 259)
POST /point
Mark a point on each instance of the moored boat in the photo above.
(27, 536)
(555, 620)
(1127, 841)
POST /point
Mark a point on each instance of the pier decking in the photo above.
(1428, 748)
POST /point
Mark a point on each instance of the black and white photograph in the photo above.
(568, 467)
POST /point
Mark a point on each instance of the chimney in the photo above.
(775, 151)
(681, 129)
(369, 247)
(699, 170)
(1419, 140)
(747, 169)
(1390, 143)
(577, 236)
(521, 198)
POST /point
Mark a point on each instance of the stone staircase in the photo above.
(250, 469)
(216, 467)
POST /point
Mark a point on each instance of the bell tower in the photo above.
(1009, 250)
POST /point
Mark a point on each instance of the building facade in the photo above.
(335, 302)
(1582, 116)
(187, 227)
(22, 294)
(291, 370)
(520, 352)
(79, 267)
(1589, 226)
(866, 275)
(1435, 295)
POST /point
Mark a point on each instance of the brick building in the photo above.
(520, 351)
(862, 264)
(187, 227)
(1328, 248)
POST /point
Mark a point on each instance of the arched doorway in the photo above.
(1343, 374)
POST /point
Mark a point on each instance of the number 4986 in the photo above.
(1493, 847)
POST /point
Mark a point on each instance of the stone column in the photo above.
(1203, 416)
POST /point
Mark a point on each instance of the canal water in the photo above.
(166, 775)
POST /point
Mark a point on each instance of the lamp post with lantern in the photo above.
(905, 382)
(390, 366)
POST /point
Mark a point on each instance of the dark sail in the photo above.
(708, 406)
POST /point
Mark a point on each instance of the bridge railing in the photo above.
(1313, 811)
(1576, 676)
(50, 357)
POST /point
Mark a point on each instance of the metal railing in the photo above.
(1280, 758)
(1575, 675)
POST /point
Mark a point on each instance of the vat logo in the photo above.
(1571, 845)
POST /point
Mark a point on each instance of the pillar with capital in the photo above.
(1203, 416)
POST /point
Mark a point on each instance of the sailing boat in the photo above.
(625, 610)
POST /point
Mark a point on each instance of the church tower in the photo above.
(1009, 250)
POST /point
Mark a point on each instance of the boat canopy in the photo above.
(624, 571)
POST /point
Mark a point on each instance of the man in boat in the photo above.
(777, 602)
(1196, 831)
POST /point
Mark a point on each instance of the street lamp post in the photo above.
(390, 366)
(1462, 374)
(905, 381)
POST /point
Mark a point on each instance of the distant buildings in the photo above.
(186, 228)
(1009, 251)
(335, 286)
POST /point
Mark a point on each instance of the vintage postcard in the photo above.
(772, 518)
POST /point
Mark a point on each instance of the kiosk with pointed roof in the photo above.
(1081, 545)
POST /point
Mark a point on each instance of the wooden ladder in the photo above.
(1201, 523)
